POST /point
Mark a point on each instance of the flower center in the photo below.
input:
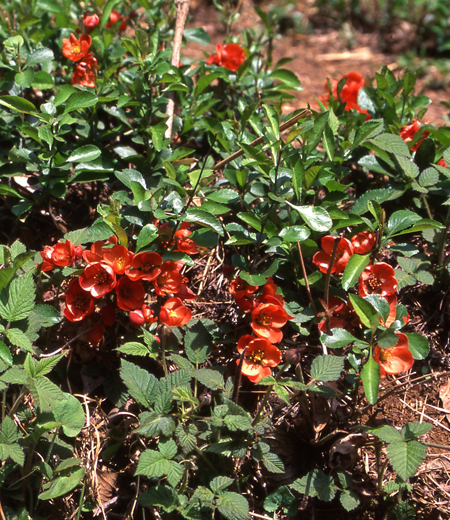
(80, 301)
(161, 281)
(172, 313)
(146, 267)
(101, 278)
(385, 355)
(257, 356)
(264, 320)
(76, 49)
(373, 282)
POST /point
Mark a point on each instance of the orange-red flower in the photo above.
(396, 359)
(408, 132)
(98, 278)
(85, 72)
(95, 335)
(343, 252)
(441, 162)
(119, 258)
(79, 303)
(363, 242)
(114, 17)
(392, 300)
(142, 316)
(340, 316)
(169, 279)
(349, 92)
(184, 244)
(378, 279)
(239, 288)
(267, 320)
(174, 313)
(62, 254)
(259, 357)
(90, 21)
(76, 49)
(145, 266)
(231, 56)
(130, 294)
(95, 254)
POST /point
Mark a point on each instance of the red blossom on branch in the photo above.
(145, 266)
(231, 56)
(76, 49)
(378, 279)
(79, 303)
(130, 294)
(408, 132)
(268, 319)
(394, 360)
(259, 358)
(90, 21)
(169, 279)
(98, 278)
(349, 93)
(174, 313)
(343, 252)
(363, 242)
(85, 73)
(62, 254)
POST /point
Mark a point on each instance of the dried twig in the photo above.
(180, 22)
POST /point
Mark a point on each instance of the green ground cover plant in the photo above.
(241, 261)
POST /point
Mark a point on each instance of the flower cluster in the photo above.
(77, 50)
(268, 317)
(231, 56)
(111, 276)
(349, 93)
(396, 359)
(408, 132)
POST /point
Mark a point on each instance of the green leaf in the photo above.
(212, 379)
(273, 463)
(295, 234)
(429, 177)
(370, 375)
(154, 425)
(387, 434)
(365, 311)
(45, 365)
(70, 413)
(203, 218)
(17, 303)
(289, 78)
(218, 484)
(316, 217)
(157, 132)
(8, 434)
(406, 457)
(418, 345)
(412, 430)
(48, 315)
(161, 496)
(316, 133)
(367, 130)
(355, 266)
(197, 35)
(24, 79)
(391, 143)
(168, 448)
(18, 104)
(39, 56)
(5, 354)
(349, 499)
(316, 484)
(80, 100)
(327, 368)
(198, 343)
(62, 485)
(163, 403)
(133, 348)
(401, 220)
(380, 304)
(237, 422)
(140, 383)
(382, 195)
(232, 506)
(152, 464)
(340, 338)
(19, 339)
(46, 394)
(421, 226)
(84, 154)
(281, 498)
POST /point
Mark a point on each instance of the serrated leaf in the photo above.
(281, 498)
(273, 463)
(370, 375)
(152, 464)
(48, 315)
(80, 100)
(163, 403)
(186, 439)
(46, 394)
(232, 506)
(387, 434)
(406, 457)
(162, 496)
(70, 413)
(237, 422)
(44, 366)
(20, 340)
(168, 448)
(412, 430)
(355, 266)
(18, 301)
(142, 385)
(62, 485)
(212, 379)
(198, 343)
(316, 218)
(365, 311)
(8, 434)
(14, 375)
(327, 368)
(5, 354)
(218, 484)
(349, 499)
(133, 348)
(380, 304)
(391, 143)
(429, 177)
(154, 425)
(381, 195)
(401, 220)
(316, 484)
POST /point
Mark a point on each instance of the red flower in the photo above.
(187, 246)
(142, 316)
(169, 280)
(363, 242)
(396, 359)
(98, 278)
(184, 293)
(62, 254)
(441, 162)
(145, 266)
(392, 300)
(79, 303)
(90, 21)
(130, 295)
(267, 320)
(240, 288)
(231, 56)
(95, 335)
(349, 92)
(408, 132)
(174, 313)
(76, 49)
(85, 72)
(119, 258)
(260, 355)
(378, 279)
(114, 17)
(343, 252)
(340, 316)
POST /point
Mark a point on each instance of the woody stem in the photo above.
(305, 277)
(267, 394)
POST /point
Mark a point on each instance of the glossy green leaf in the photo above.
(418, 345)
(370, 375)
(355, 266)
